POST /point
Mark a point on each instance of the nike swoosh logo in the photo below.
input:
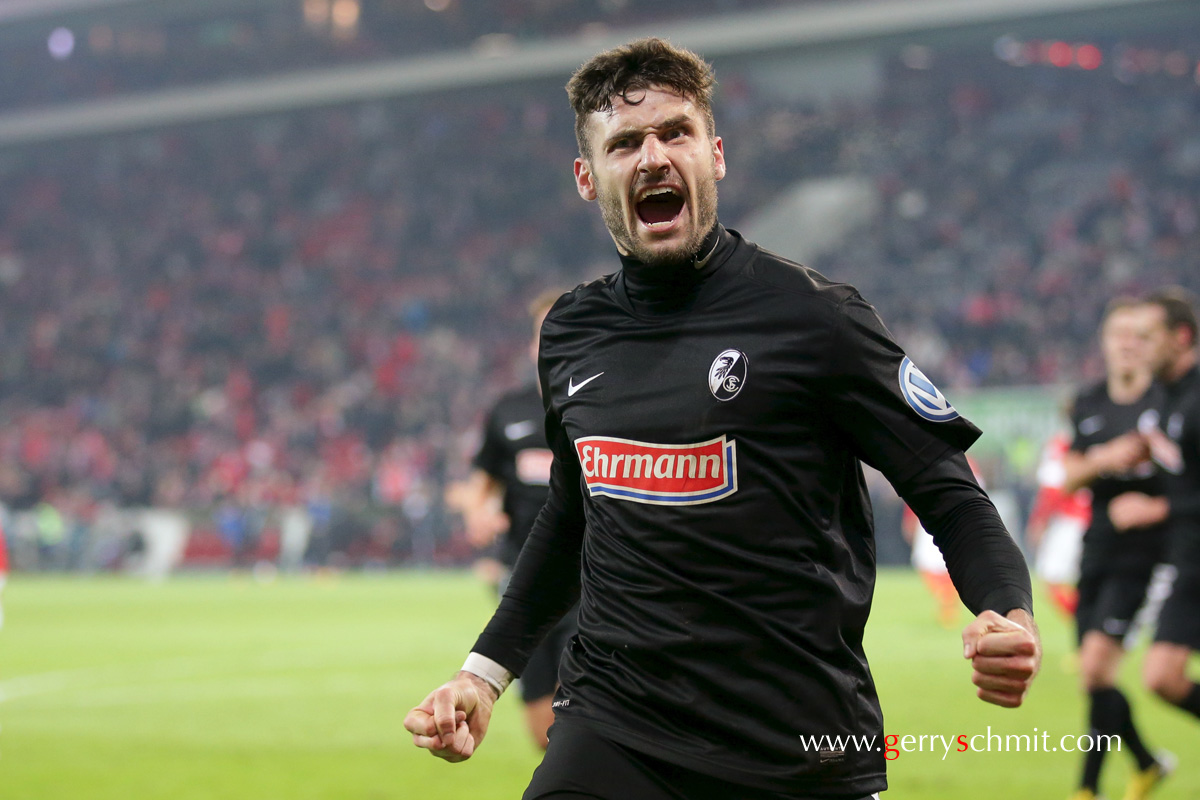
(519, 430)
(573, 387)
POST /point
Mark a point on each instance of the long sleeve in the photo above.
(1181, 488)
(545, 580)
(1185, 503)
(983, 560)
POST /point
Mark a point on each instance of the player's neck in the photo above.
(1128, 387)
(666, 288)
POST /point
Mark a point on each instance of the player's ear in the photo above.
(583, 180)
(1184, 338)
(719, 156)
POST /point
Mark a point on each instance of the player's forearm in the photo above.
(1185, 505)
(543, 587)
(545, 580)
(1182, 498)
(1026, 621)
(489, 676)
(984, 562)
(1080, 470)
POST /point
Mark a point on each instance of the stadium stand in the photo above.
(311, 310)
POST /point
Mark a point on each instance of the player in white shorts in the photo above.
(1056, 526)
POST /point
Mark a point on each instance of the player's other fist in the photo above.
(1005, 654)
(1136, 510)
(453, 719)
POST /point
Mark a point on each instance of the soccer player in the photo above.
(1109, 456)
(709, 406)
(512, 474)
(3, 572)
(1175, 445)
(1056, 526)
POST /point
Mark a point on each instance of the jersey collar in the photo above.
(673, 288)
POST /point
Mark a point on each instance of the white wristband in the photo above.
(496, 676)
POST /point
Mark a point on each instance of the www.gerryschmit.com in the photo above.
(893, 745)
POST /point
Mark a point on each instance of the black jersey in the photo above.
(708, 508)
(1181, 423)
(514, 452)
(1096, 419)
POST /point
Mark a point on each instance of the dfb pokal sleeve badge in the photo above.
(922, 396)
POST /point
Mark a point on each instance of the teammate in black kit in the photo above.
(1175, 445)
(708, 407)
(512, 471)
(1110, 456)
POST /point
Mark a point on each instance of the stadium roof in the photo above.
(508, 61)
(24, 9)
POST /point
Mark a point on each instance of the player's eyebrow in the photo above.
(677, 121)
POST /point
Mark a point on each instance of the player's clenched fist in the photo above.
(452, 720)
(1005, 653)
(1136, 510)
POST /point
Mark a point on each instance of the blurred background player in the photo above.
(1175, 445)
(3, 572)
(499, 502)
(1109, 455)
(1056, 524)
(928, 561)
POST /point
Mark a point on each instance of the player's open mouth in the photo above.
(660, 207)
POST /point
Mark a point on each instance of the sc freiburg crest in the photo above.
(727, 375)
(922, 396)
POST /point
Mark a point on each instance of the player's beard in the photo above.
(703, 217)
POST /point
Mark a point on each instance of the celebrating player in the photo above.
(1175, 445)
(708, 407)
(1109, 456)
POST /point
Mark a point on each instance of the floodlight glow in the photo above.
(61, 43)
(1060, 54)
(1089, 56)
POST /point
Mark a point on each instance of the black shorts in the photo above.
(540, 678)
(1109, 602)
(580, 764)
(1179, 618)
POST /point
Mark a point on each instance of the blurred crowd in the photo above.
(291, 310)
(314, 309)
(1015, 207)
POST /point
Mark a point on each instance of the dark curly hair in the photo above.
(639, 65)
(1179, 305)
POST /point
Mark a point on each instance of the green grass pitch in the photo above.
(224, 687)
